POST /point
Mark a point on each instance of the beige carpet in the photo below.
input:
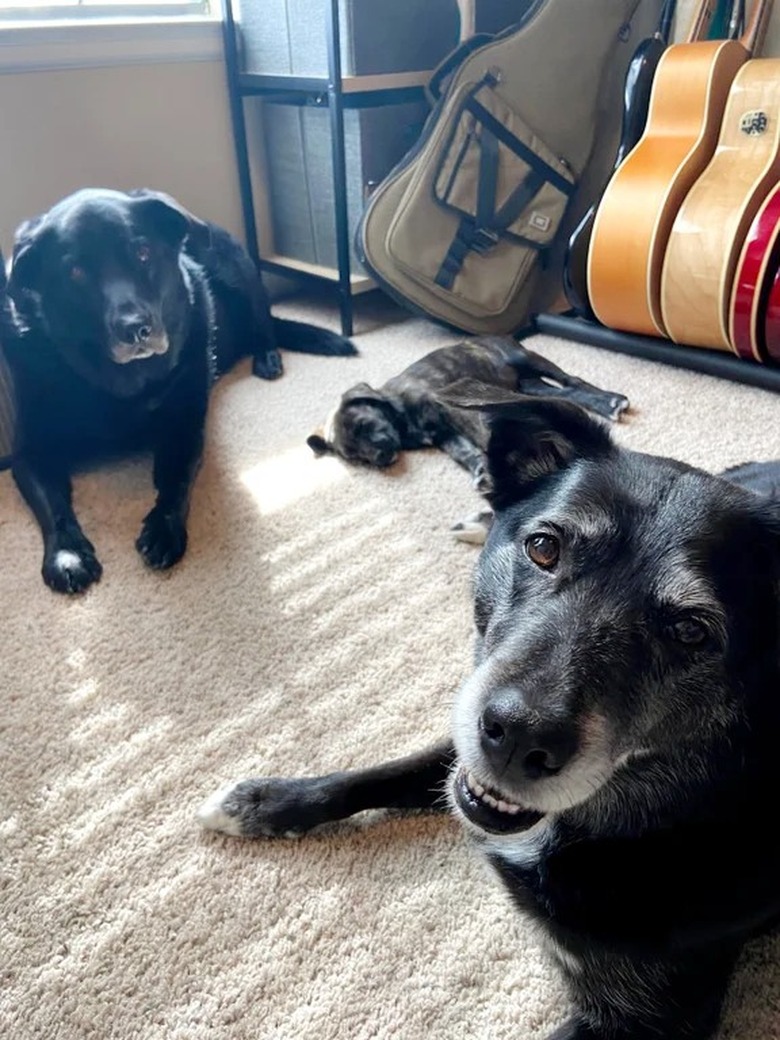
(320, 619)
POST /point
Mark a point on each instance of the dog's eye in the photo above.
(77, 274)
(690, 631)
(544, 550)
(143, 253)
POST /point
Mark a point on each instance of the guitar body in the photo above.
(757, 265)
(710, 230)
(637, 212)
(636, 101)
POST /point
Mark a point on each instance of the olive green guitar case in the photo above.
(470, 227)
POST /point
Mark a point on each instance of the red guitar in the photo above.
(754, 313)
(772, 317)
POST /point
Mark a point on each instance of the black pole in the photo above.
(336, 108)
(238, 120)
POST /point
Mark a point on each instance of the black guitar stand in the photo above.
(697, 359)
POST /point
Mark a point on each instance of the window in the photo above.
(59, 10)
(79, 34)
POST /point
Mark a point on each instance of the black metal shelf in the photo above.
(338, 94)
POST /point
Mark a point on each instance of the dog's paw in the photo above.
(71, 568)
(163, 539)
(574, 1029)
(481, 480)
(268, 365)
(266, 807)
(474, 529)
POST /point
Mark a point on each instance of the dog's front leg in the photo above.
(69, 560)
(177, 454)
(273, 807)
(574, 1029)
(577, 1029)
(468, 455)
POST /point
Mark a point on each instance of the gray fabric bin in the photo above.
(299, 170)
(289, 37)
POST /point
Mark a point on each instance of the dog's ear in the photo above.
(391, 405)
(170, 219)
(362, 393)
(319, 445)
(27, 258)
(536, 438)
(529, 437)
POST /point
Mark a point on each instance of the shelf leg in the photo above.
(238, 120)
(338, 157)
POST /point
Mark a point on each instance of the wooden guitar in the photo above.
(637, 212)
(753, 321)
(710, 229)
(636, 100)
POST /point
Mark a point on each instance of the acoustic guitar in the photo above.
(640, 204)
(710, 229)
(753, 319)
(636, 100)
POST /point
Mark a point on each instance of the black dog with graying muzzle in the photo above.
(614, 752)
(121, 310)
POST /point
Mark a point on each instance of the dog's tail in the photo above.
(309, 339)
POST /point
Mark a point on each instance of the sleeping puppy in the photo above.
(121, 310)
(409, 411)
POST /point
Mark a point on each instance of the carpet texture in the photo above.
(320, 619)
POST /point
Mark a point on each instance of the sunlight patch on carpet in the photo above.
(294, 474)
(83, 691)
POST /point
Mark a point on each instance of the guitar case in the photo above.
(471, 227)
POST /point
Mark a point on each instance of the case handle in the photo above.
(454, 60)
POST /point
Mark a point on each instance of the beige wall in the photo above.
(165, 126)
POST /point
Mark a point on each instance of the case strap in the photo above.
(479, 234)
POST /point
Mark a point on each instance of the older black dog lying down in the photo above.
(615, 748)
(409, 410)
(123, 309)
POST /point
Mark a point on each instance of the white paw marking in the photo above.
(213, 817)
(67, 560)
(470, 531)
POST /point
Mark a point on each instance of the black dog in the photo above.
(122, 310)
(408, 411)
(615, 749)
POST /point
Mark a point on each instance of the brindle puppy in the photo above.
(408, 411)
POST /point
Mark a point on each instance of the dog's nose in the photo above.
(386, 457)
(133, 328)
(524, 743)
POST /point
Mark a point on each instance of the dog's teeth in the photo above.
(499, 804)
